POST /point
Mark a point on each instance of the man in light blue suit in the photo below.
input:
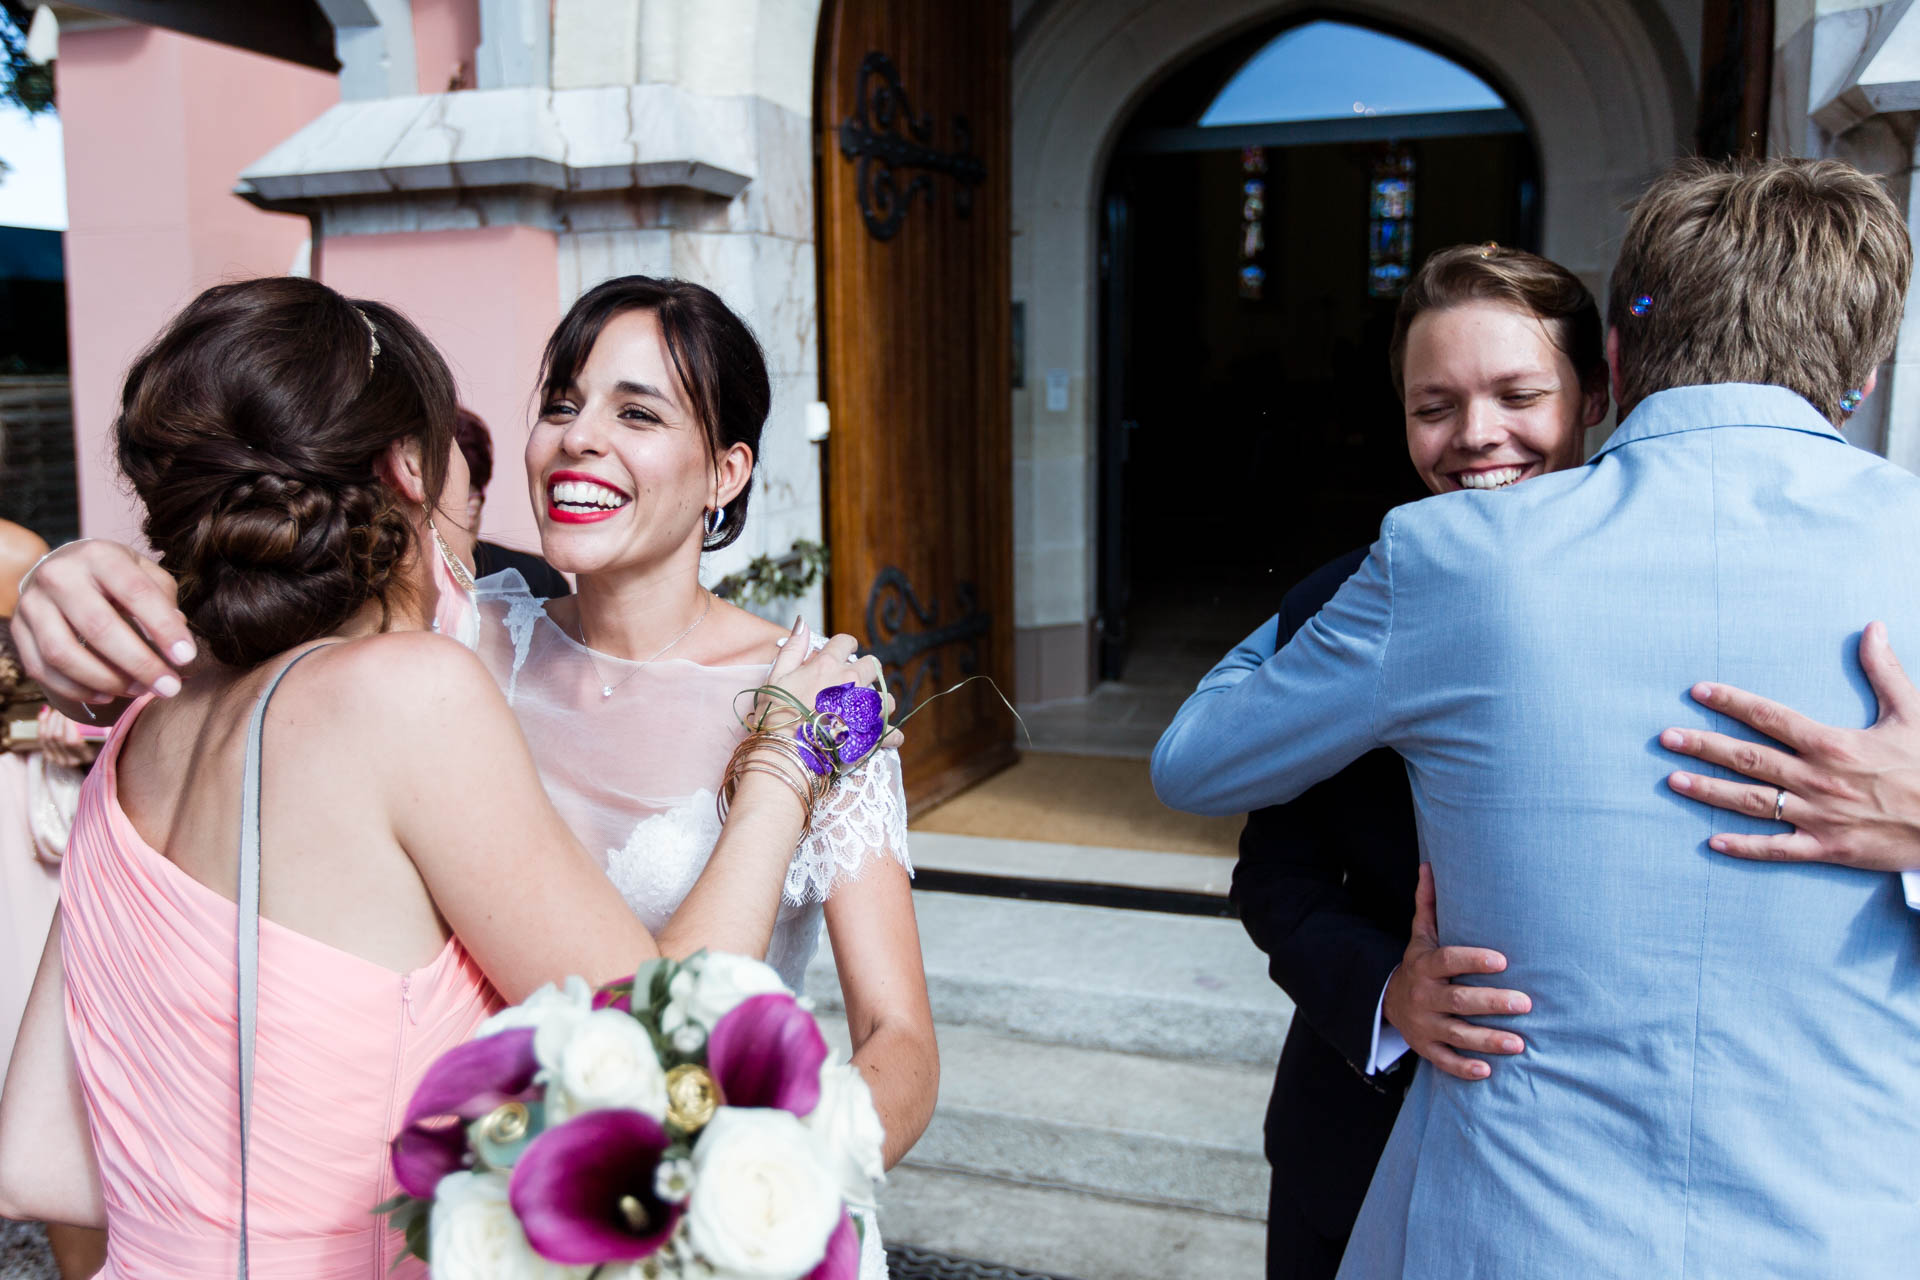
(1722, 1072)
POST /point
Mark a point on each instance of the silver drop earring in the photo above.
(715, 517)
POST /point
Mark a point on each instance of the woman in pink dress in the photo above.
(287, 443)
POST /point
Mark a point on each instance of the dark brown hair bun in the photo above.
(252, 429)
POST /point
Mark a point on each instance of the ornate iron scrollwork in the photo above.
(894, 612)
(872, 136)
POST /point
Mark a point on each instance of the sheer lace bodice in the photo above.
(634, 774)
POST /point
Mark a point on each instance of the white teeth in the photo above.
(1490, 479)
(584, 493)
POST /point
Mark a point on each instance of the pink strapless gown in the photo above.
(149, 955)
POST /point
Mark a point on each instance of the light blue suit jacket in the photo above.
(1722, 1074)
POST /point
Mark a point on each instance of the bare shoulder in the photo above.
(743, 638)
(397, 677)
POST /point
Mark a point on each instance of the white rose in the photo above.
(473, 1234)
(604, 1060)
(763, 1205)
(849, 1132)
(709, 987)
(548, 1004)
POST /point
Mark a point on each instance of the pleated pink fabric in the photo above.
(149, 955)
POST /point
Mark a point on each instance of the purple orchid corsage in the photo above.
(844, 729)
(689, 1118)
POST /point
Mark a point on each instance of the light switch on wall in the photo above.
(1057, 390)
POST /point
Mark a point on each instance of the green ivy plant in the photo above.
(770, 578)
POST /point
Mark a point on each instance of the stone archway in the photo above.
(1605, 88)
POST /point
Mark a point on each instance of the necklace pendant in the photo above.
(606, 691)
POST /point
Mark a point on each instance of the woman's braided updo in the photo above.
(253, 430)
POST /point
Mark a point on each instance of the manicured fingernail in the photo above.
(1673, 739)
(167, 686)
(1479, 1070)
(1681, 781)
(182, 651)
(1703, 692)
(1514, 1044)
(1518, 1005)
(1717, 844)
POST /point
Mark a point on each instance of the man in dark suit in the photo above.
(476, 445)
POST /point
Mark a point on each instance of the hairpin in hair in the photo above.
(1490, 248)
(1641, 304)
(373, 336)
(1851, 401)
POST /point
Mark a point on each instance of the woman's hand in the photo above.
(1852, 795)
(1430, 1010)
(805, 674)
(97, 622)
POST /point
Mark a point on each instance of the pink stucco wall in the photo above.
(488, 299)
(445, 35)
(157, 127)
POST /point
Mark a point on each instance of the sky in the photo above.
(34, 192)
(1329, 70)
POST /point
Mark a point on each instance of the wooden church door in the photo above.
(911, 154)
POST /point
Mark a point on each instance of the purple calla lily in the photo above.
(584, 1193)
(467, 1081)
(767, 1052)
(613, 998)
(843, 1253)
(858, 708)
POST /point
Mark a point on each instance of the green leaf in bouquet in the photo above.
(417, 1236)
(644, 979)
(409, 1216)
(499, 1137)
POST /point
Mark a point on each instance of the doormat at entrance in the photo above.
(1103, 801)
(904, 1262)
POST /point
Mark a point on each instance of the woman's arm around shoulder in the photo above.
(466, 802)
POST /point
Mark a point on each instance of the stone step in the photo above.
(1119, 1125)
(1135, 982)
(1065, 1233)
(1208, 875)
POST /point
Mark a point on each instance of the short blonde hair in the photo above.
(1788, 272)
(1524, 281)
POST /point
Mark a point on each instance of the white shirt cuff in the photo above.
(1389, 1046)
(1910, 880)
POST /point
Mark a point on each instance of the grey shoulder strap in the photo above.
(248, 932)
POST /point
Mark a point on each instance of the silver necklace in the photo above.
(606, 690)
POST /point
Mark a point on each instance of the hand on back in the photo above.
(1431, 1011)
(1852, 796)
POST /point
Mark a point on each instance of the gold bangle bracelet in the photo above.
(750, 757)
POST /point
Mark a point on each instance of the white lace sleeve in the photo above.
(863, 817)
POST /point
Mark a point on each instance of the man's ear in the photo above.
(400, 467)
(1613, 365)
(1594, 404)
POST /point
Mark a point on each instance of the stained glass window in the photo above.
(1253, 222)
(1390, 224)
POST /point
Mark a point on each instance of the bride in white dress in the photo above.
(652, 398)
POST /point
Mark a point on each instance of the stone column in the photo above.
(1846, 84)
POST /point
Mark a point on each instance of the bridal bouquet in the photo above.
(686, 1122)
